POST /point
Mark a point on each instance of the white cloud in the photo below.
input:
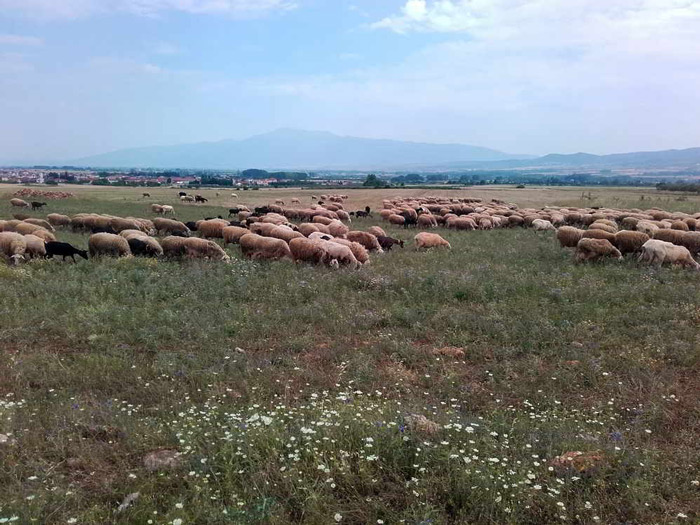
(20, 40)
(166, 48)
(49, 9)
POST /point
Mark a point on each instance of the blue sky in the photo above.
(79, 77)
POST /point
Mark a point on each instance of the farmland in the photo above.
(427, 387)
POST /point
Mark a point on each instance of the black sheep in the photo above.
(64, 249)
(191, 225)
(108, 229)
(142, 249)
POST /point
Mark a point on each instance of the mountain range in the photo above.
(298, 149)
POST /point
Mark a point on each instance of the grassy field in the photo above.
(290, 393)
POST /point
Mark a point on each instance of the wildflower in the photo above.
(681, 515)
(177, 521)
(72, 520)
(338, 517)
(179, 505)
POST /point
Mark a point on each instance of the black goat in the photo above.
(64, 249)
(36, 205)
(199, 198)
(142, 249)
(191, 225)
(387, 242)
(99, 229)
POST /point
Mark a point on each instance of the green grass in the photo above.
(105, 361)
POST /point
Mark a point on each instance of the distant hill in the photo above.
(295, 149)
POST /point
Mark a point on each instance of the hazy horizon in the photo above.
(85, 77)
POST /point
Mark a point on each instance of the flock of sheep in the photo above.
(321, 233)
(657, 236)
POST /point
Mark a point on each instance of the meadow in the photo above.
(435, 387)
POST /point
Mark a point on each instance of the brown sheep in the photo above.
(19, 203)
(308, 250)
(659, 252)
(398, 220)
(56, 219)
(35, 246)
(338, 229)
(212, 229)
(680, 225)
(26, 228)
(233, 234)
(285, 233)
(366, 239)
(691, 240)
(672, 236)
(262, 228)
(630, 241)
(204, 248)
(120, 224)
(306, 228)
(108, 244)
(322, 220)
(427, 221)
(359, 252)
(376, 231)
(41, 222)
(568, 236)
(13, 246)
(598, 225)
(47, 236)
(258, 247)
(430, 240)
(599, 234)
(170, 226)
(339, 254)
(589, 249)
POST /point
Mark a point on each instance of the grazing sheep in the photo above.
(542, 225)
(171, 226)
(388, 242)
(296, 201)
(63, 249)
(279, 201)
(186, 198)
(285, 233)
(376, 231)
(26, 228)
(396, 219)
(672, 236)
(680, 225)
(233, 234)
(234, 195)
(366, 239)
(338, 229)
(35, 246)
(12, 246)
(40, 222)
(460, 223)
(628, 241)
(144, 246)
(119, 224)
(339, 255)
(108, 244)
(258, 247)
(262, 228)
(647, 227)
(426, 220)
(306, 228)
(359, 251)
(157, 208)
(19, 203)
(21, 216)
(193, 247)
(599, 234)
(430, 240)
(321, 219)
(320, 235)
(56, 219)
(212, 229)
(47, 236)
(589, 249)
(568, 236)
(691, 240)
(603, 226)
(659, 252)
(308, 250)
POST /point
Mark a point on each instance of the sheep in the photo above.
(366, 239)
(258, 247)
(306, 228)
(599, 234)
(35, 246)
(40, 222)
(193, 247)
(26, 228)
(388, 242)
(376, 231)
(296, 201)
(19, 203)
(338, 229)
(647, 227)
(396, 219)
(427, 221)
(118, 224)
(659, 252)
(630, 241)
(589, 249)
(672, 236)
(234, 196)
(47, 236)
(108, 244)
(359, 251)
(157, 208)
(171, 226)
(322, 219)
(568, 236)
(339, 255)
(233, 234)
(186, 198)
(285, 233)
(13, 246)
(262, 228)
(430, 240)
(56, 219)
(542, 225)
(320, 235)
(603, 226)
(144, 246)
(21, 216)
(680, 225)
(63, 249)
(212, 229)
(461, 223)
(308, 250)
(279, 201)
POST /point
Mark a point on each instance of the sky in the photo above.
(81, 77)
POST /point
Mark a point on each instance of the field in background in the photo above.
(291, 392)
